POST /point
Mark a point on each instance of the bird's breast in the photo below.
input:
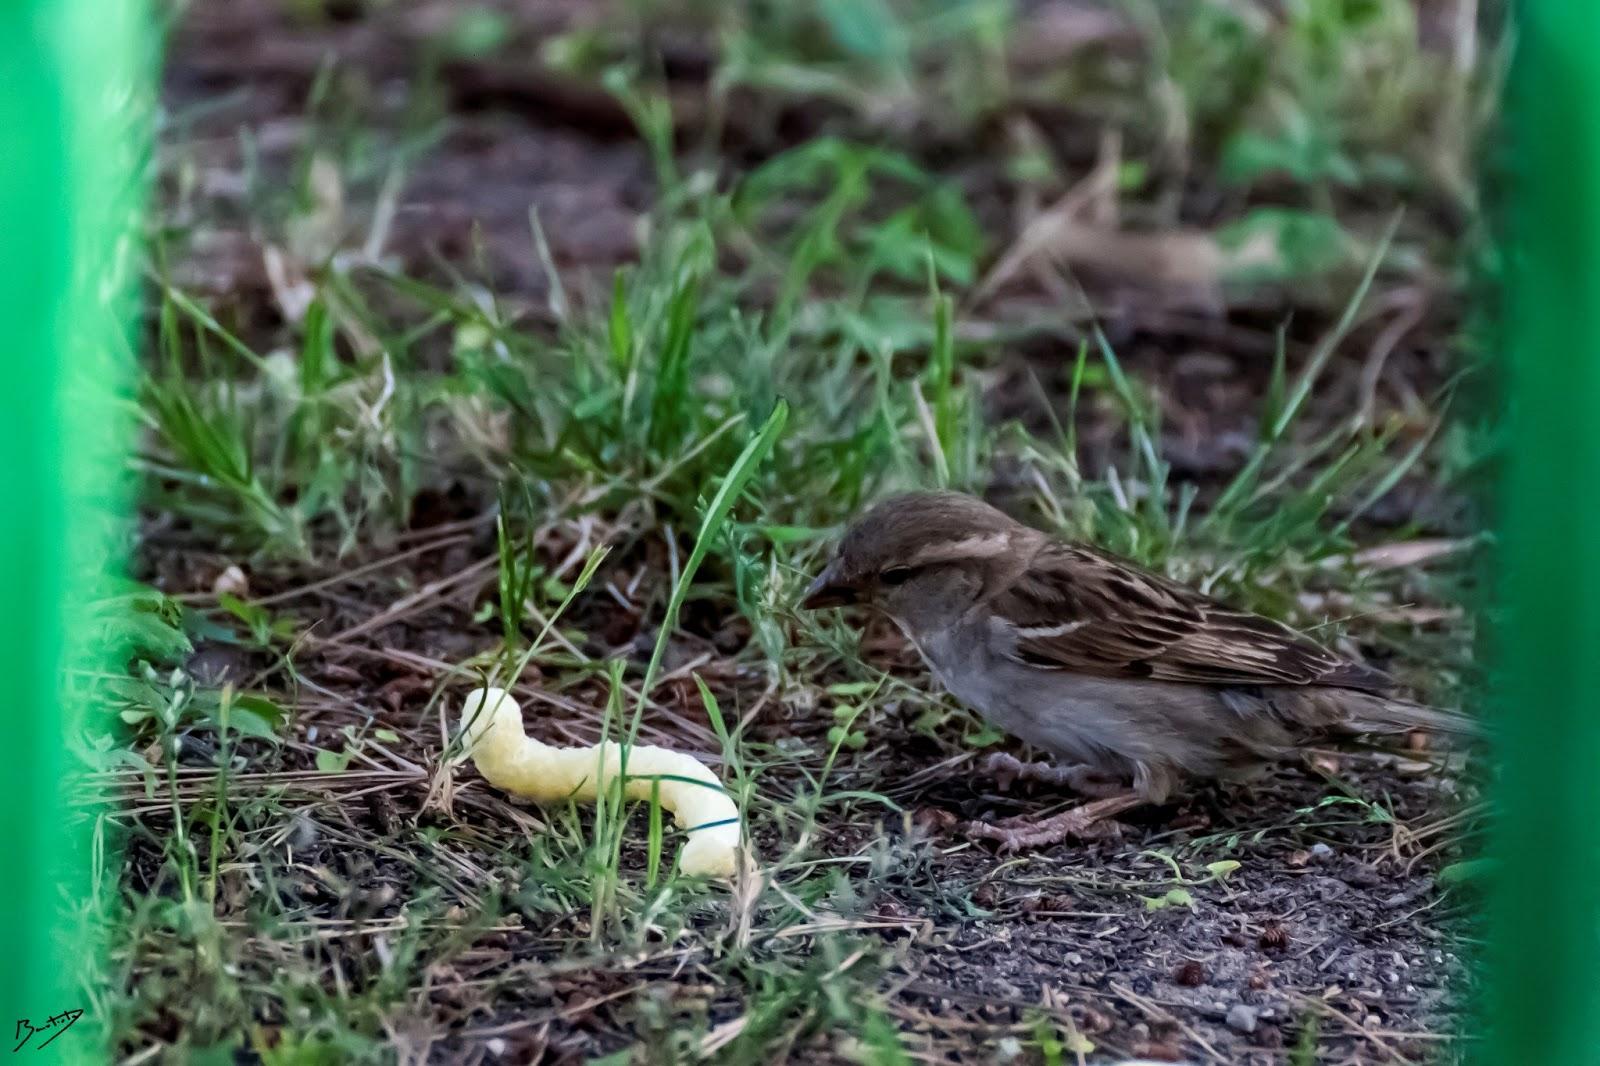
(1076, 718)
(961, 660)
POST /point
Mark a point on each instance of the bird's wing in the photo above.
(1087, 612)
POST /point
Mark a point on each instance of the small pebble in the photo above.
(1242, 1018)
(303, 831)
(233, 582)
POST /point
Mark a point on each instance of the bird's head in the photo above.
(923, 558)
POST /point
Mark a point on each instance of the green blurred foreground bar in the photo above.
(1544, 956)
(74, 117)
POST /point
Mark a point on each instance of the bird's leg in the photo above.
(1082, 779)
(1084, 822)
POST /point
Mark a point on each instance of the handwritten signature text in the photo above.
(54, 1025)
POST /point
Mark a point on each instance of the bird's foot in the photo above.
(1090, 821)
(1007, 770)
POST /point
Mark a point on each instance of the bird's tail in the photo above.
(1344, 710)
(1381, 714)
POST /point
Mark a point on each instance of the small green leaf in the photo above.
(255, 716)
(1466, 872)
(985, 738)
(478, 31)
(867, 28)
(149, 637)
(265, 708)
(248, 613)
(333, 762)
(1078, 1044)
(1174, 897)
(1278, 244)
(781, 534)
(1221, 869)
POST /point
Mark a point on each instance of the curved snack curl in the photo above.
(510, 759)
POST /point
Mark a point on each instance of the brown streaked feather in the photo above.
(1088, 612)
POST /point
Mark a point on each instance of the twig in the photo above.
(431, 591)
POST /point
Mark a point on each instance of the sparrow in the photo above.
(1135, 683)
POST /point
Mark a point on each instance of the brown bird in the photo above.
(1134, 682)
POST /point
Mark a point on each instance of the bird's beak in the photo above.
(828, 591)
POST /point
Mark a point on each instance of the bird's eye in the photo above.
(896, 575)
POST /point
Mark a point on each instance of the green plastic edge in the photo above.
(75, 120)
(1542, 963)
